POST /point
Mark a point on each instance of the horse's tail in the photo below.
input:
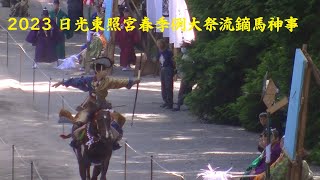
(66, 114)
(119, 118)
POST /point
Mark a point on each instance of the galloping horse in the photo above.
(92, 140)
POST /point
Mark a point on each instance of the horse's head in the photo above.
(103, 122)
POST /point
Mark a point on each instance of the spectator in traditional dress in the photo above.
(57, 15)
(45, 40)
(263, 119)
(126, 40)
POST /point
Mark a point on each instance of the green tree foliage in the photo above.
(229, 66)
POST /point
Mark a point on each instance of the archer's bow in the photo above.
(135, 100)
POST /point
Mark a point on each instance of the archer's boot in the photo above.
(116, 146)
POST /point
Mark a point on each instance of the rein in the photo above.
(91, 138)
(89, 135)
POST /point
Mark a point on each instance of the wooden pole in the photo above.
(12, 170)
(125, 160)
(49, 96)
(8, 48)
(20, 74)
(31, 174)
(268, 146)
(33, 83)
(151, 170)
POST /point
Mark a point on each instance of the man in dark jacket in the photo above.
(165, 57)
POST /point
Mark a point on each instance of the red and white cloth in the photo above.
(88, 2)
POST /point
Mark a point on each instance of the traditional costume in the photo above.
(57, 16)
(126, 41)
(98, 91)
(258, 166)
(97, 43)
(45, 40)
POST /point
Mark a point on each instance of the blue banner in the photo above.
(293, 117)
(108, 14)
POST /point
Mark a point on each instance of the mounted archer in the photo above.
(98, 85)
(98, 136)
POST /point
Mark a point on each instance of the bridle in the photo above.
(91, 137)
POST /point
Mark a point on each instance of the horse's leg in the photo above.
(82, 169)
(88, 172)
(105, 166)
(96, 172)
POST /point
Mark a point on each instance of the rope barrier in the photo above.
(3, 141)
(20, 157)
(27, 55)
(163, 168)
(24, 51)
(35, 168)
(24, 163)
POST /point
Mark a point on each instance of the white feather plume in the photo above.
(212, 174)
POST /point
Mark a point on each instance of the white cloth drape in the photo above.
(151, 10)
(177, 9)
(188, 35)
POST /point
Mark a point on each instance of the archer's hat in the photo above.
(106, 62)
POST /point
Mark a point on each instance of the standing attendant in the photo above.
(45, 39)
(165, 57)
(126, 41)
(57, 15)
(185, 85)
